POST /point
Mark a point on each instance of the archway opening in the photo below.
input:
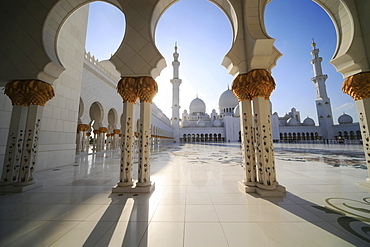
(204, 36)
(293, 26)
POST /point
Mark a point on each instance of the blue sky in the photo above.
(204, 36)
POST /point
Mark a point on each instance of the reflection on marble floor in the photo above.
(196, 201)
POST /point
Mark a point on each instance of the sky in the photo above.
(204, 36)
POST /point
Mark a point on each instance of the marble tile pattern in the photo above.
(196, 201)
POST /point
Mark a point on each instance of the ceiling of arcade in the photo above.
(29, 30)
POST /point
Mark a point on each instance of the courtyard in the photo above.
(196, 201)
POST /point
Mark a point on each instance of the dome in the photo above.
(292, 121)
(345, 119)
(197, 105)
(227, 100)
(217, 123)
(201, 123)
(237, 111)
(309, 122)
(185, 123)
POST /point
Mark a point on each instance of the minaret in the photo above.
(175, 120)
(323, 105)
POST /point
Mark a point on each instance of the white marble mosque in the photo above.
(224, 124)
(87, 159)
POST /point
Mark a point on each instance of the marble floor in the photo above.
(196, 201)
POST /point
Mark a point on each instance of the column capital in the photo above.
(82, 127)
(103, 130)
(127, 89)
(255, 83)
(147, 88)
(116, 131)
(96, 132)
(357, 86)
(29, 92)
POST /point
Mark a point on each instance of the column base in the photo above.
(19, 187)
(246, 188)
(279, 191)
(365, 183)
(134, 189)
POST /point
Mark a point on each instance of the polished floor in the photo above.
(196, 201)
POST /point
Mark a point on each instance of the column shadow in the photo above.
(124, 222)
(344, 215)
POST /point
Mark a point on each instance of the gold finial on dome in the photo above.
(313, 44)
(176, 46)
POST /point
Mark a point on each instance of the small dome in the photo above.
(217, 123)
(237, 111)
(227, 100)
(345, 119)
(185, 123)
(309, 122)
(292, 121)
(201, 123)
(197, 105)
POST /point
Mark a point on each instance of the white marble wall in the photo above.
(58, 128)
(98, 87)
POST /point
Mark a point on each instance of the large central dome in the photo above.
(197, 105)
(227, 100)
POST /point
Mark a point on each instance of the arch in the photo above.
(55, 20)
(348, 59)
(112, 117)
(96, 112)
(228, 9)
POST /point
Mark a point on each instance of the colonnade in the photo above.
(253, 91)
(102, 140)
(28, 98)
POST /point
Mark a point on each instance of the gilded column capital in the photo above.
(127, 88)
(256, 83)
(88, 134)
(103, 130)
(29, 92)
(82, 127)
(147, 88)
(96, 132)
(116, 131)
(357, 86)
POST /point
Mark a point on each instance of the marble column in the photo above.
(79, 138)
(358, 87)
(28, 98)
(257, 145)
(147, 88)
(239, 88)
(87, 146)
(103, 131)
(95, 140)
(264, 145)
(127, 89)
(85, 128)
(14, 146)
(116, 133)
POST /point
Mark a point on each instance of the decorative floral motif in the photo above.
(256, 83)
(357, 86)
(29, 92)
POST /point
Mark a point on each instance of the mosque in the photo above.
(224, 125)
(62, 110)
(58, 98)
